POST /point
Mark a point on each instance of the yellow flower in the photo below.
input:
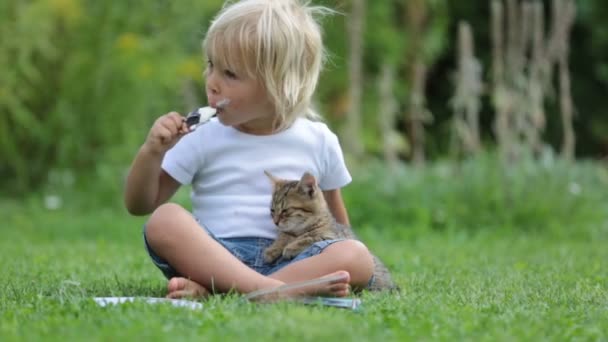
(68, 10)
(128, 42)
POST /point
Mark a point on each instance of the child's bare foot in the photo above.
(333, 285)
(181, 287)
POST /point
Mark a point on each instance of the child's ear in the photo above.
(308, 184)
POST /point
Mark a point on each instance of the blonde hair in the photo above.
(277, 42)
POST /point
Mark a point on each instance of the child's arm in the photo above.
(336, 206)
(147, 185)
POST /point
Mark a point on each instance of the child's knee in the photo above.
(165, 212)
(358, 260)
(160, 222)
(354, 252)
(169, 208)
(357, 250)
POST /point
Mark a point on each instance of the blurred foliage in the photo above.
(552, 196)
(81, 81)
(588, 62)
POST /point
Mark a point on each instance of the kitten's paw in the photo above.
(290, 253)
(271, 255)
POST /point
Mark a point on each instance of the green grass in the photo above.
(458, 282)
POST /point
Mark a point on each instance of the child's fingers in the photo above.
(174, 121)
(167, 130)
(184, 129)
(178, 121)
(165, 134)
(176, 117)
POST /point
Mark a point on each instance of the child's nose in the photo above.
(212, 89)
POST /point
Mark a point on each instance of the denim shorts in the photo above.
(249, 250)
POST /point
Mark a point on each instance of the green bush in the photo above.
(82, 81)
(480, 194)
(552, 197)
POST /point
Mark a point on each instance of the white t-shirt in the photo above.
(231, 195)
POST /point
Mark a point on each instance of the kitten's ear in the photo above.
(272, 178)
(308, 184)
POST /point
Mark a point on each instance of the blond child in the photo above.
(264, 59)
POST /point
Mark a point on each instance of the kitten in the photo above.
(299, 210)
(301, 215)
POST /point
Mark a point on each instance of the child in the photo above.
(264, 59)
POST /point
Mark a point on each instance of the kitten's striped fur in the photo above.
(305, 220)
(300, 213)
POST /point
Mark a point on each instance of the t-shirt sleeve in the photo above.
(183, 160)
(335, 174)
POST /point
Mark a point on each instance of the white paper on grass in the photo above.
(344, 303)
(105, 301)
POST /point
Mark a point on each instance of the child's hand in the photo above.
(166, 132)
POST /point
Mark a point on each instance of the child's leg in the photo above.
(174, 235)
(349, 255)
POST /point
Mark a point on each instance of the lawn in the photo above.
(457, 284)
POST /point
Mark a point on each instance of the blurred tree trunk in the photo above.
(564, 13)
(523, 61)
(418, 114)
(499, 87)
(538, 78)
(388, 111)
(417, 18)
(352, 132)
(507, 63)
(466, 101)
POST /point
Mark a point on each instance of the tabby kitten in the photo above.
(300, 213)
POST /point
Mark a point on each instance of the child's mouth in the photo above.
(219, 107)
(223, 103)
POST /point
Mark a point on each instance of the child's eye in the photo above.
(209, 64)
(229, 74)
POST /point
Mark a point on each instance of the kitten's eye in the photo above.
(271, 211)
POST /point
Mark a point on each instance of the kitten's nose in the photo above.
(276, 220)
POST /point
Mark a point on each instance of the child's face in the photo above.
(249, 108)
